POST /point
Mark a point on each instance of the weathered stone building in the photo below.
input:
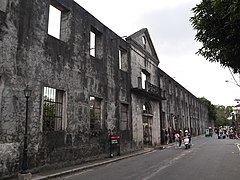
(87, 84)
(159, 103)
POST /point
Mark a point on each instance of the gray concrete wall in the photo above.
(29, 56)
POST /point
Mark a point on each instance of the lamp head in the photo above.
(27, 92)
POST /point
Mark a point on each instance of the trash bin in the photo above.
(114, 145)
(206, 132)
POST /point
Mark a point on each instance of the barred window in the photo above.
(124, 117)
(95, 113)
(52, 109)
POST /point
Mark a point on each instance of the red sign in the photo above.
(115, 137)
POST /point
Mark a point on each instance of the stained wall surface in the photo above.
(82, 92)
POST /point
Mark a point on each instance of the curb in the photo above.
(85, 167)
(54, 175)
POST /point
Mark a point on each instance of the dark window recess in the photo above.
(95, 113)
(124, 117)
(52, 109)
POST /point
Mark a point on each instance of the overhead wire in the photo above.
(234, 77)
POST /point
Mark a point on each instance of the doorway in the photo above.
(147, 130)
(147, 125)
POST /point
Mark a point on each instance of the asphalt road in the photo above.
(208, 159)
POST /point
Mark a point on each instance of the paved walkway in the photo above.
(84, 166)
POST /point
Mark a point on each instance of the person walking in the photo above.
(167, 136)
(180, 138)
(176, 138)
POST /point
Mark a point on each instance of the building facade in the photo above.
(87, 84)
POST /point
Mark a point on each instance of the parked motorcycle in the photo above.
(186, 142)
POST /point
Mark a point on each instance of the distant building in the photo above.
(236, 114)
(87, 84)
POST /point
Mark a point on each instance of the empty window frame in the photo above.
(95, 113)
(54, 22)
(53, 104)
(122, 57)
(92, 44)
(144, 78)
(144, 41)
(95, 43)
(58, 21)
(124, 117)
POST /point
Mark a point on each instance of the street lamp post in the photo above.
(27, 93)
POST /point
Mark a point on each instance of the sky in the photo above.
(173, 37)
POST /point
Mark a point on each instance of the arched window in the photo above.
(147, 108)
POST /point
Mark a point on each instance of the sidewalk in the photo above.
(73, 169)
(84, 166)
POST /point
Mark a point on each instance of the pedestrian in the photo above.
(180, 138)
(234, 133)
(176, 138)
(167, 136)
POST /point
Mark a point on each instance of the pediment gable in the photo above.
(143, 40)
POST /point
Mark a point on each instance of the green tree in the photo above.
(222, 115)
(211, 109)
(229, 111)
(48, 116)
(217, 23)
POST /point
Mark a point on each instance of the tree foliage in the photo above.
(49, 114)
(211, 109)
(218, 114)
(222, 115)
(217, 23)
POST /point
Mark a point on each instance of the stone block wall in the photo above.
(30, 56)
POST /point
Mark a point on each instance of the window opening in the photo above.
(144, 108)
(120, 59)
(95, 113)
(52, 109)
(122, 55)
(144, 41)
(147, 108)
(54, 22)
(144, 78)
(92, 44)
(95, 43)
(124, 117)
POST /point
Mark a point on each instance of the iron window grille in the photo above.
(52, 109)
(124, 117)
(95, 113)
